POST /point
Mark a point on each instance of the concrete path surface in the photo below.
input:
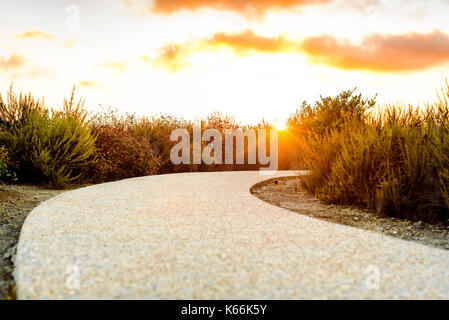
(204, 236)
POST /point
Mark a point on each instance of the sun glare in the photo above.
(280, 125)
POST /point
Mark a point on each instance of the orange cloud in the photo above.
(241, 6)
(14, 61)
(34, 34)
(172, 57)
(382, 53)
(250, 41)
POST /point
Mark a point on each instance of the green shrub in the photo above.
(48, 146)
(17, 108)
(395, 162)
(317, 121)
(329, 113)
(7, 174)
(410, 188)
(355, 165)
(53, 149)
(442, 156)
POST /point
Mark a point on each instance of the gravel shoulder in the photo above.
(287, 193)
(16, 201)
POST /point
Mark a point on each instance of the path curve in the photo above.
(204, 236)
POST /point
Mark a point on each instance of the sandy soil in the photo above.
(16, 201)
(287, 193)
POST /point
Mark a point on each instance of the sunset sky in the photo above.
(251, 59)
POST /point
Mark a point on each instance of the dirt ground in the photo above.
(288, 194)
(16, 201)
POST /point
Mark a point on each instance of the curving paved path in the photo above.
(204, 236)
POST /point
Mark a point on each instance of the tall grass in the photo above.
(394, 161)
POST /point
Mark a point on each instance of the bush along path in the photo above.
(204, 236)
(394, 161)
